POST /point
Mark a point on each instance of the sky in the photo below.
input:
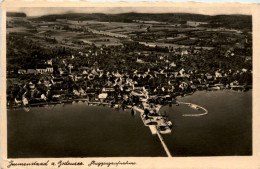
(220, 9)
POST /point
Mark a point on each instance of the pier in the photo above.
(163, 144)
(155, 131)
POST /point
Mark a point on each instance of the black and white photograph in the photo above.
(87, 82)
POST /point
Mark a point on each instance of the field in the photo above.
(79, 33)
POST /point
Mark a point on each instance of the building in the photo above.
(31, 71)
(21, 71)
(49, 69)
(108, 89)
(41, 69)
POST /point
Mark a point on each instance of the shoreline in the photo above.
(41, 104)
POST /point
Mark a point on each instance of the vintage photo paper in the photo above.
(129, 85)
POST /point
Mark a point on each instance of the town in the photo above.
(53, 60)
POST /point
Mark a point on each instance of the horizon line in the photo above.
(41, 11)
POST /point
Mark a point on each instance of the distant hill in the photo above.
(15, 14)
(227, 21)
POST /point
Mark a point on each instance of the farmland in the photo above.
(77, 32)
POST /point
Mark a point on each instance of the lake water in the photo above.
(79, 130)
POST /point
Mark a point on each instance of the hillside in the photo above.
(227, 21)
(15, 14)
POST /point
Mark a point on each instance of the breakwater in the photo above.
(196, 106)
